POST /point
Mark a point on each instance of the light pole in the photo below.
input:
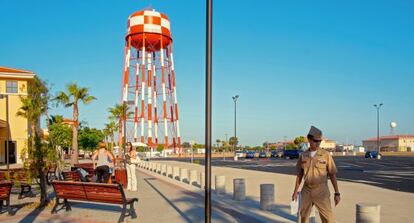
(208, 111)
(235, 133)
(7, 127)
(378, 106)
(192, 151)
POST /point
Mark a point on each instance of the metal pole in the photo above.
(192, 153)
(209, 52)
(378, 106)
(235, 135)
(378, 140)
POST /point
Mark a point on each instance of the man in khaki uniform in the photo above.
(314, 166)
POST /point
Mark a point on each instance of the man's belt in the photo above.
(314, 185)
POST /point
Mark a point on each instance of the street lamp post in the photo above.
(208, 111)
(192, 151)
(235, 133)
(8, 128)
(378, 106)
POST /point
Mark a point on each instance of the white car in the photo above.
(239, 153)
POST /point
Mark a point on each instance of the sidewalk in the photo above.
(159, 201)
(395, 206)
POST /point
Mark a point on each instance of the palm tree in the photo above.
(34, 105)
(71, 98)
(55, 119)
(110, 129)
(119, 113)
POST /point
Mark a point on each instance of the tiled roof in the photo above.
(13, 72)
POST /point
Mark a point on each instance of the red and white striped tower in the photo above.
(149, 78)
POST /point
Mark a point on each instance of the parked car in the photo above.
(250, 155)
(262, 155)
(276, 153)
(373, 154)
(292, 153)
(239, 153)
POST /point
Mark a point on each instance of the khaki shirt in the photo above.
(316, 169)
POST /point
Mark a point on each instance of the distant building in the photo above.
(396, 143)
(328, 145)
(13, 83)
(359, 149)
(345, 148)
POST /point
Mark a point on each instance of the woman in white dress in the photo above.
(132, 160)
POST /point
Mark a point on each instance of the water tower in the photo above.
(393, 125)
(149, 84)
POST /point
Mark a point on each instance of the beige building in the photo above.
(396, 143)
(328, 145)
(13, 85)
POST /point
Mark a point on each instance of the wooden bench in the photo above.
(51, 174)
(71, 176)
(5, 190)
(93, 192)
(19, 175)
(88, 167)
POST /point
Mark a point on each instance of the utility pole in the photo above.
(378, 106)
(235, 121)
(208, 111)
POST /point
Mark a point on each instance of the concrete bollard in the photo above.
(267, 196)
(202, 180)
(150, 166)
(184, 175)
(163, 169)
(193, 177)
(367, 213)
(159, 168)
(220, 184)
(169, 171)
(239, 189)
(176, 173)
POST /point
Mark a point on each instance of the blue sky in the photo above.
(293, 63)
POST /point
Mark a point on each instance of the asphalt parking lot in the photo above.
(391, 172)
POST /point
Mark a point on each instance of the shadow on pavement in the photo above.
(31, 217)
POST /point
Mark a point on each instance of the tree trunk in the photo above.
(39, 166)
(74, 155)
(43, 187)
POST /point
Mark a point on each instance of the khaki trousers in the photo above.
(320, 197)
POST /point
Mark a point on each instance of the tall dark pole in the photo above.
(209, 56)
(235, 127)
(378, 106)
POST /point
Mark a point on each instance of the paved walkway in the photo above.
(159, 201)
(395, 206)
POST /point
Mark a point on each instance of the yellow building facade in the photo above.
(13, 85)
(394, 143)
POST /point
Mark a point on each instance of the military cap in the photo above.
(315, 133)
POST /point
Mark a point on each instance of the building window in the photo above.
(11, 86)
